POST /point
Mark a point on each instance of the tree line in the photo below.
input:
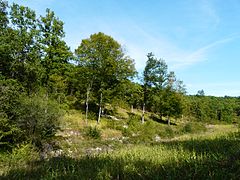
(40, 76)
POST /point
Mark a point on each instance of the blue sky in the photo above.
(199, 39)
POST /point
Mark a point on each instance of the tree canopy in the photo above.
(40, 76)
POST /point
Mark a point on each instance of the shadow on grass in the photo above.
(218, 165)
(159, 120)
(222, 146)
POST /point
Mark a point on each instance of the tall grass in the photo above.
(216, 158)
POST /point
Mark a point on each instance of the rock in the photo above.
(157, 138)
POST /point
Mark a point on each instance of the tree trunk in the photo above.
(131, 108)
(168, 119)
(143, 112)
(100, 109)
(46, 100)
(87, 99)
(71, 92)
(59, 99)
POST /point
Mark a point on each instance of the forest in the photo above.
(94, 94)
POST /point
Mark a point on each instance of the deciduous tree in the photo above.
(106, 64)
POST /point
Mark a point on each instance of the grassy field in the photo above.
(127, 149)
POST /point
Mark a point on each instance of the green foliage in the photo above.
(10, 91)
(201, 93)
(207, 108)
(93, 132)
(38, 118)
(102, 66)
(216, 158)
(38, 79)
(169, 132)
(23, 118)
(168, 103)
(10, 134)
(155, 72)
(162, 92)
(193, 127)
(129, 92)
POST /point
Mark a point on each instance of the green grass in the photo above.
(184, 151)
(217, 158)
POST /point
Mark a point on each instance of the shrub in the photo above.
(93, 132)
(169, 131)
(38, 118)
(9, 133)
(10, 91)
(25, 118)
(193, 127)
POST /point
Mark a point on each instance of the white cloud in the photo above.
(176, 57)
(209, 13)
(201, 53)
(138, 42)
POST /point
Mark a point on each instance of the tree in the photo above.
(172, 104)
(55, 54)
(130, 93)
(155, 72)
(162, 91)
(26, 67)
(19, 47)
(155, 78)
(3, 14)
(200, 93)
(106, 65)
(4, 63)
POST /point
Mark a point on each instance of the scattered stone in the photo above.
(125, 126)
(157, 138)
(112, 117)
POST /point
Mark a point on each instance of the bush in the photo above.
(38, 119)
(25, 118)
(10, 135)
(134, 125)
(93, 132)
(193, 127)
(169, 131)
(10, 91)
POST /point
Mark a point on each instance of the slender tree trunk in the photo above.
(71, 92)
(100, 109)
(87, 99)
(59, 99)
(131, 104)
(131, 108)
(143, 112)
(46, 100)
(168, 118)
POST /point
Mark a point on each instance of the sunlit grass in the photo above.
(191, 159)
(210, 154)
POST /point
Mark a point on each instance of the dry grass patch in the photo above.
(111, 133)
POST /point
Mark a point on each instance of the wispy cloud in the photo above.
(138, 41)
(209, 13)
(201, 54)
(176, 57)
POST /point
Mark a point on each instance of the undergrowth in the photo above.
(191, 159)
(131, 150)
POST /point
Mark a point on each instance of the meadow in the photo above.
(128, 149)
